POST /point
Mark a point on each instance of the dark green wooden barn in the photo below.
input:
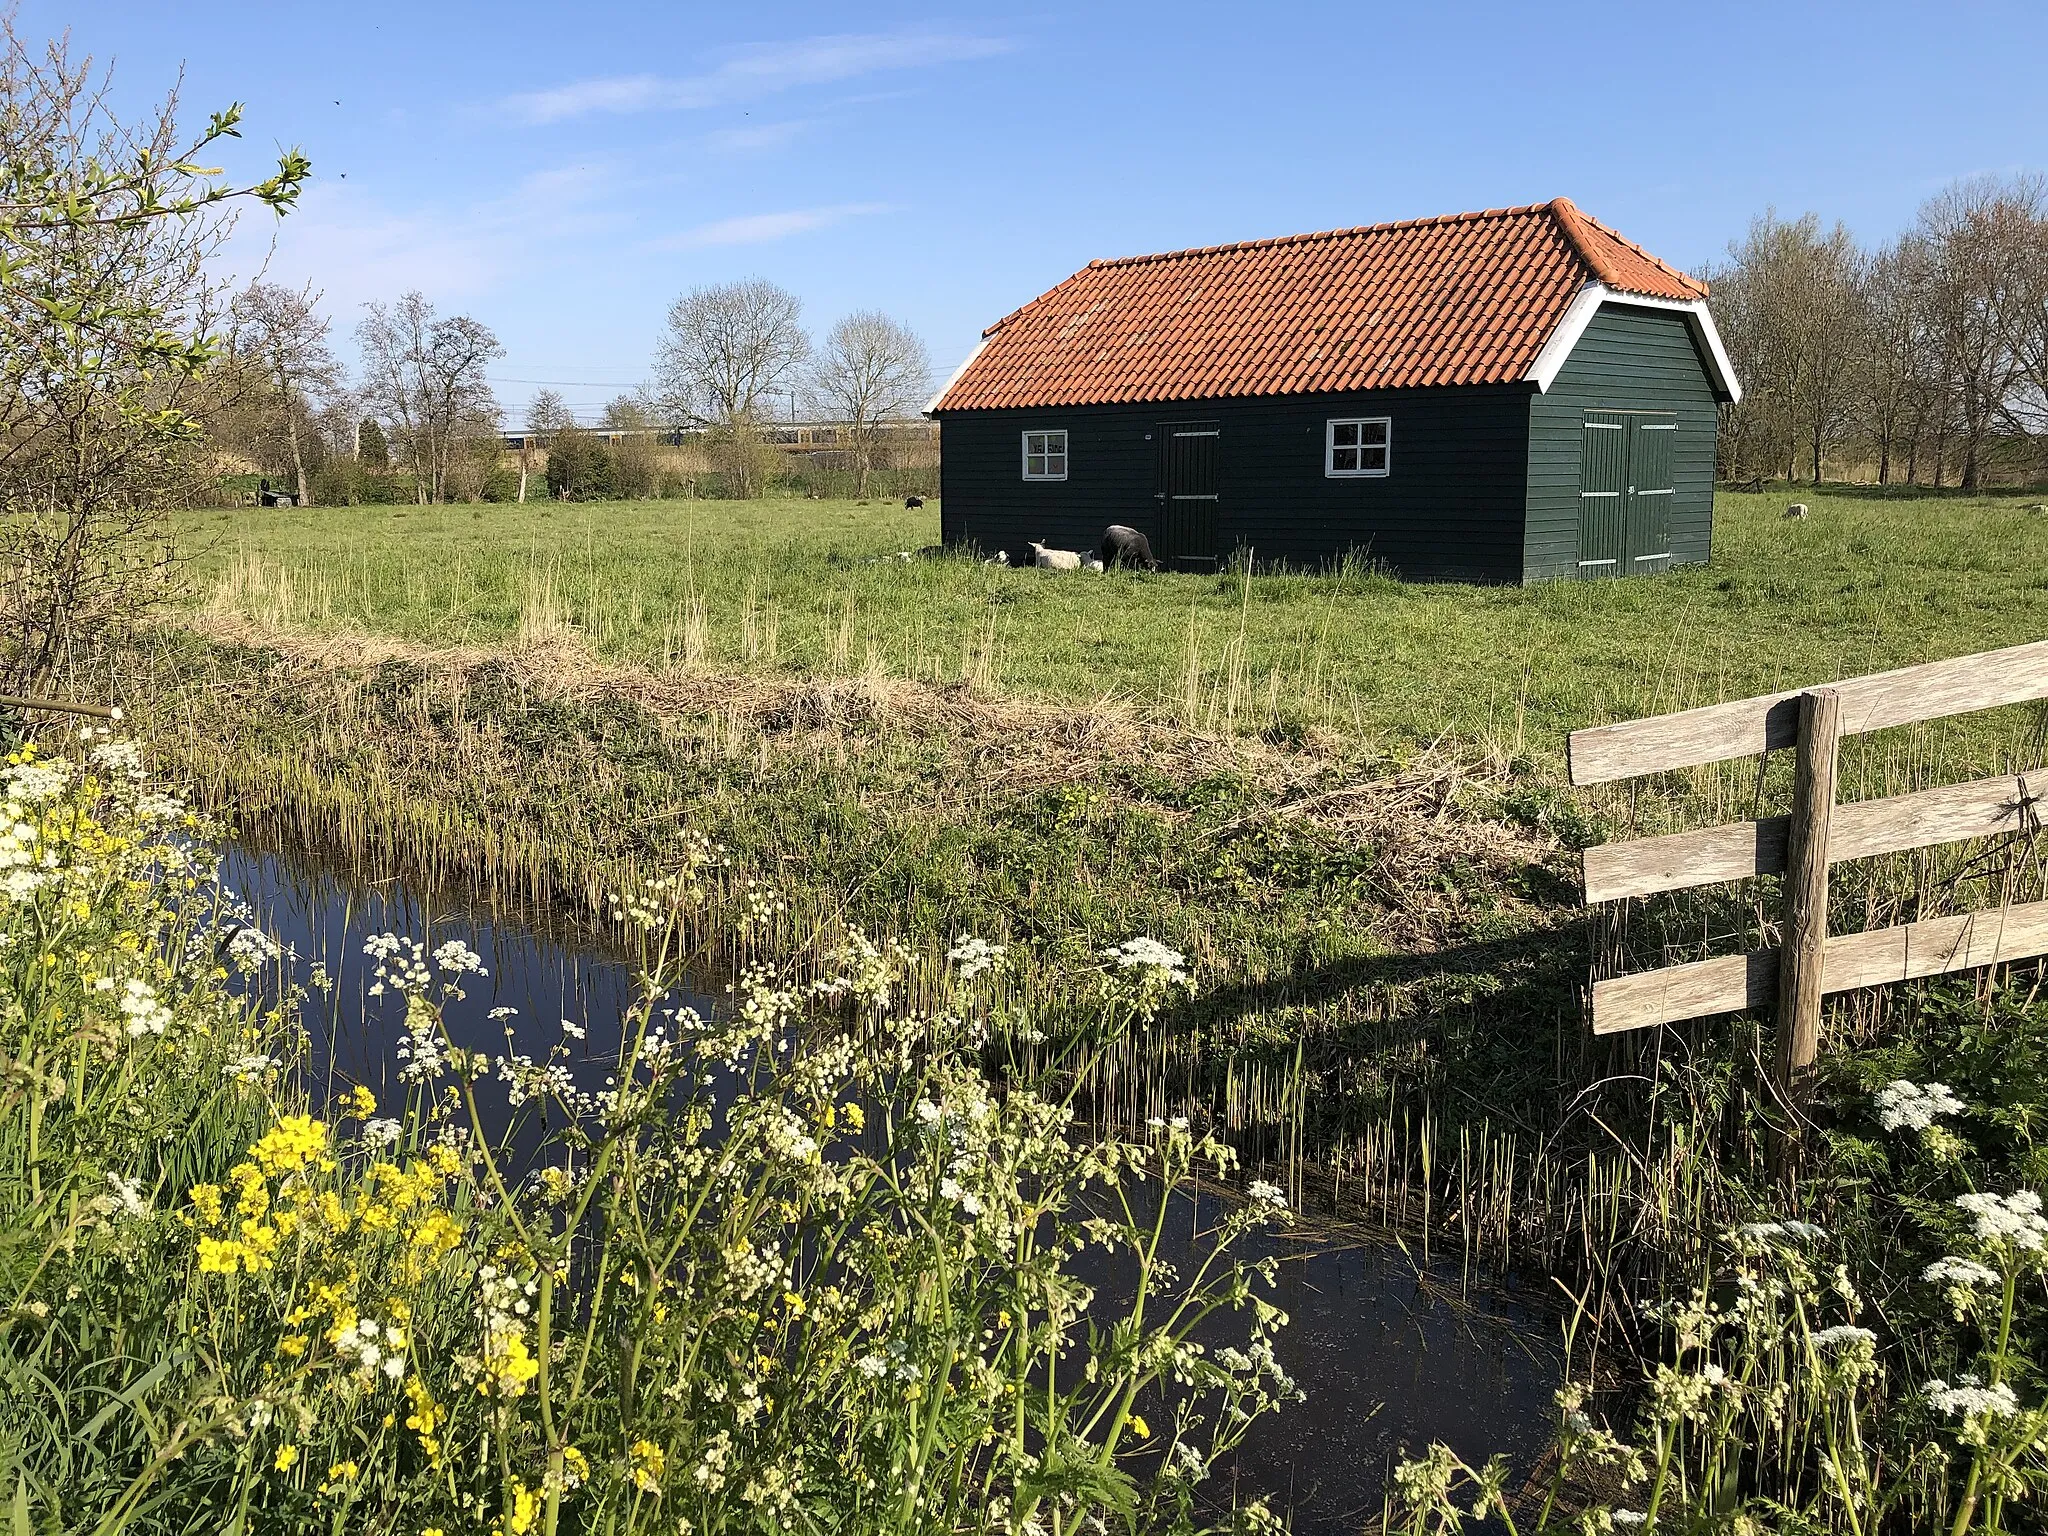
(1506, 396)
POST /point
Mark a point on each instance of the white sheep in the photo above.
(1091, 564)
(1054, 559)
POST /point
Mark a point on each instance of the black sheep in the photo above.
(1127, 546)
(913, 503)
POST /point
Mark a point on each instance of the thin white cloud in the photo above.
(355, 246)
(755, 137)
(756, 72)
(760, 228)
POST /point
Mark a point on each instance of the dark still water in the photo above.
(1392, 1354)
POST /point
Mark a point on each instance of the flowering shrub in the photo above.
(786, 1272)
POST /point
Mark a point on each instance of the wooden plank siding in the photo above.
(1630, 359)
(1450, 508)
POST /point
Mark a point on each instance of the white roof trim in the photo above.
(965, 364)
(1551, 360)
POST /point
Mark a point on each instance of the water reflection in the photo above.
(1391, 1355)
(322, 919)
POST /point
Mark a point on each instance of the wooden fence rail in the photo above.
(1817, 834)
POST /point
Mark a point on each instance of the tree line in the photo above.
(421, 404)
(1922, 361)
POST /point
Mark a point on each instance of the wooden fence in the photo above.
(1812, 963)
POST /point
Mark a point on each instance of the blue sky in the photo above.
(564, 171)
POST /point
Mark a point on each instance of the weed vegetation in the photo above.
(798, 1268)
(1341, 798)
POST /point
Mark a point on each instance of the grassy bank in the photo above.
(815, 588)
(1341, 799)
(1340, 796)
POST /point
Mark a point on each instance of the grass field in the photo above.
(1340, 796)
(818, 588)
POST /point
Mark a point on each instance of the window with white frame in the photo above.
(1357, 445)
(1045, 455)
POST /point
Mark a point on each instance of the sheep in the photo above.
(1091, 564)
(1054, 559)
(1127, 546)
(1797, 509)
(913, 503)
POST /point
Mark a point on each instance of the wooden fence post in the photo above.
(1806, 893)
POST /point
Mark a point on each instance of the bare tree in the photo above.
(870, 370)
(1979, 235)
(2028, 340)
(281, 332)
(425, 374)
(1789, 305)
(726, 349)
(627, 413)
(546, 414)
(1894, 366)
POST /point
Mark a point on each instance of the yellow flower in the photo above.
(339, 1476)
(426, 1416)
(259, 1241)
(360, 1102)
(525, 1507)
(794, 1302)
(218, 1255)
(648, 1461)
(575, 1467)
(292, 1346)
(433, 1530)
(511, 1365)
(295, 1140)
(286, 1458)
(855, 1116)
(1140, 1428)
(437, 1233)
(206, 1203)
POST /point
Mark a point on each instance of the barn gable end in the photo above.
(1634, 362)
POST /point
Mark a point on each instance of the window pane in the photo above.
(1034, 464)
(1343, 433)
(1375, 431)
(1373, 458)
(1344, 458)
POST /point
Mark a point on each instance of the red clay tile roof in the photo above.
(1466, 299)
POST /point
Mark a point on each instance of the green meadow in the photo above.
(822, 589)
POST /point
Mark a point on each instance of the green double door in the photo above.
(1625, 492)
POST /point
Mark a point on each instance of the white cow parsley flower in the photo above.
(2013, 1219)
(1907, 1106)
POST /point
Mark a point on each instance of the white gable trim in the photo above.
(965, 364)
(1551, 360)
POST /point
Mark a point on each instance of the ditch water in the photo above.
(1391, 1353)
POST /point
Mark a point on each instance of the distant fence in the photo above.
(790, 436)
(1811, 963)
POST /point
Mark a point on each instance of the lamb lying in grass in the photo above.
(1054, 559)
